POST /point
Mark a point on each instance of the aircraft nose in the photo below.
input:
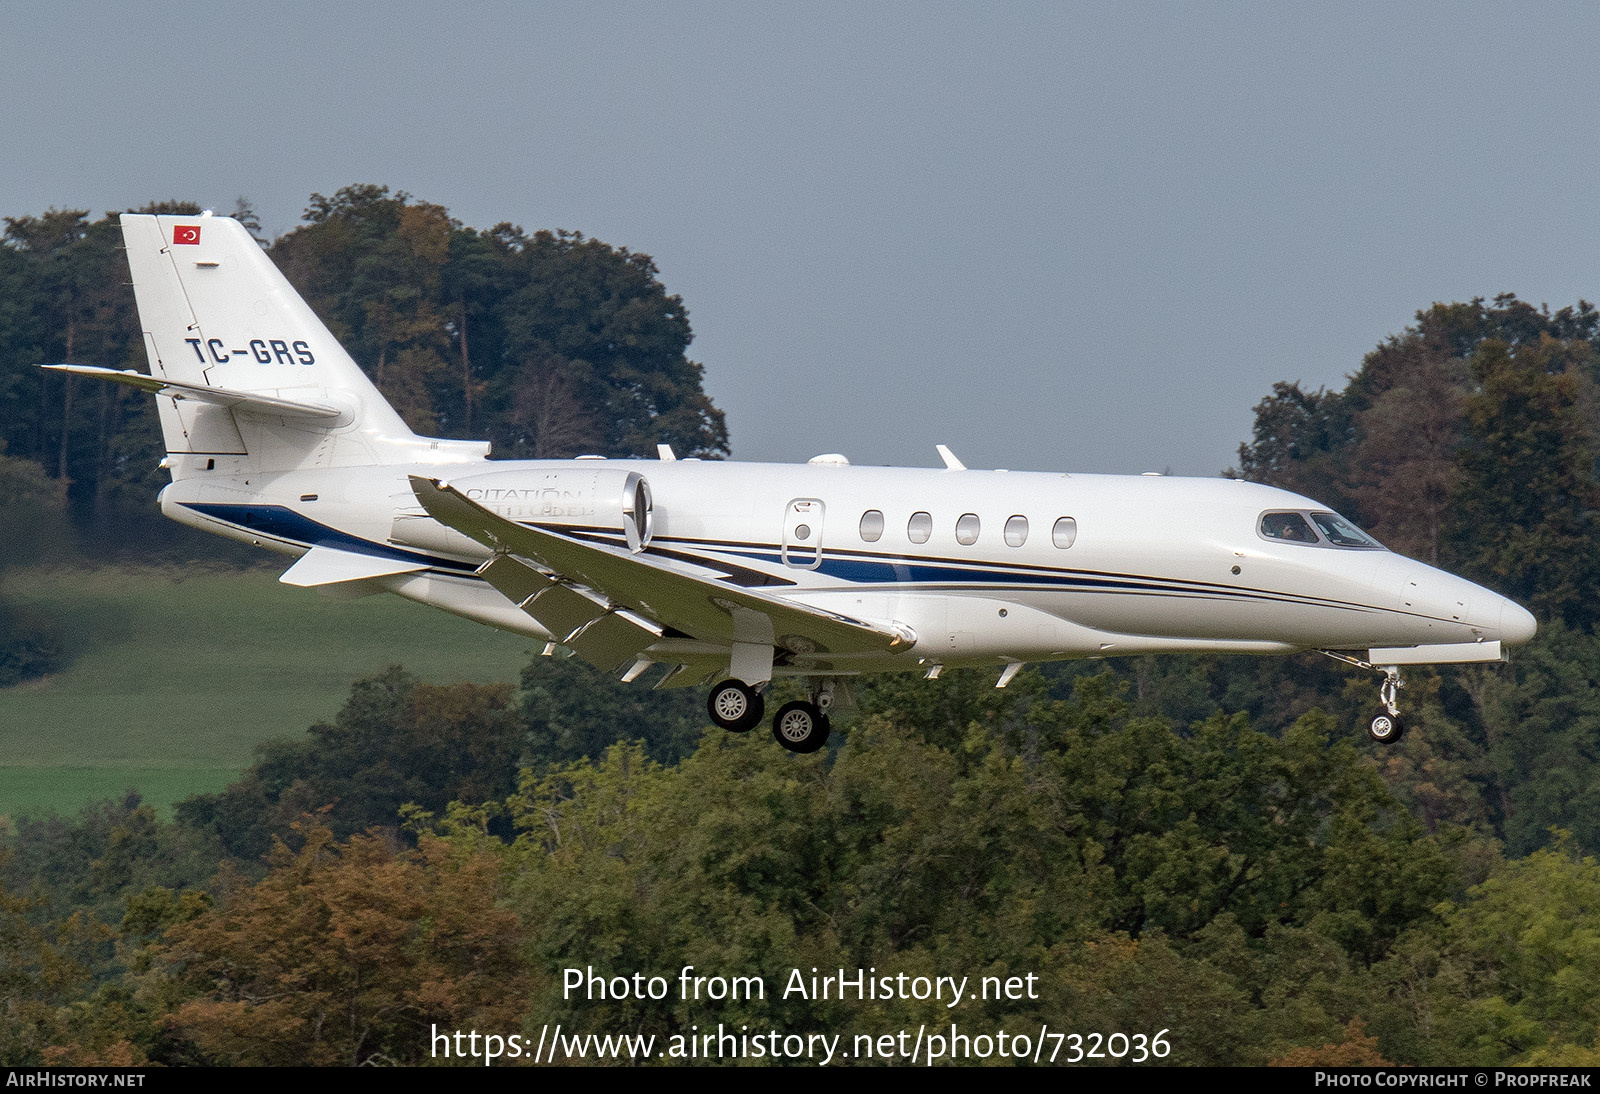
(1517, 624)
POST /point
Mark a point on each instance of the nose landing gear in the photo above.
(1386, 726)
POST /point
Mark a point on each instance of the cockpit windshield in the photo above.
(1304, 527)
(1341, 533)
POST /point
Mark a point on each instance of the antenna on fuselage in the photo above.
(949, 458)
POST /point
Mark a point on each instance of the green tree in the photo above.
(1516, 972)
(571, 710)
(43, 966)
(1299, 443)
(1539, 719)
(29, 647)
(597, 317)
(395, 742)
(79, 309)
(552, 344)
(1526, 509)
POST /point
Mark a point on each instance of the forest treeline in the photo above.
(1262, 896)
(1207, 845)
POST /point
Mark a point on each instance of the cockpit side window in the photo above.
(1292, 527)
(1341, 533)
(1287, 526)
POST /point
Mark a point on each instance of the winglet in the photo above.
(949, 458)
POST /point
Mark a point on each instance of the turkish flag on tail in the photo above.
(186, 233)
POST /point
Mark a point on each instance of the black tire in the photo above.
(800, 727)
(1385, 728)
(735, 706)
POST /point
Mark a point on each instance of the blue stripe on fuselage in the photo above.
(284, 523)
(865, 571)
(280, 522)
(868, 571)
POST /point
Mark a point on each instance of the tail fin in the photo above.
(216, 314)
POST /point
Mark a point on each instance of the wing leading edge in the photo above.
(610, 605)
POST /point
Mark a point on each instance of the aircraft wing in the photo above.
(576, 589)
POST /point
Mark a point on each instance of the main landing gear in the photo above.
(800, 726)
(1386, 726)
(735, 706)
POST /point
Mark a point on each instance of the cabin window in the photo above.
(1064, 532)
(871, 526)
(967, 529)
(919, 527)
(1341, 533)
(1016, 531)
(1287, 526)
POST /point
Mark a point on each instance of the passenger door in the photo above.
(802, 534)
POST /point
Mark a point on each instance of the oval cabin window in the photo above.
(919, 527)
(1016, 531)
(967, 529)
(1065, 531)
(872, 526)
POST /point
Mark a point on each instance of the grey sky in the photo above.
(1079, 237)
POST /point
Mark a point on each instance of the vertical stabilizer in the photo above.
(215, 312)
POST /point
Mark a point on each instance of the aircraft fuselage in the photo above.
(983, 566)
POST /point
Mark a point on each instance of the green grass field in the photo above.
(176, 674)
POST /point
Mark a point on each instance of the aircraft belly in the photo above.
(467, 597)
(966, 629)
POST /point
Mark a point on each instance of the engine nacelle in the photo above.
(583, 496)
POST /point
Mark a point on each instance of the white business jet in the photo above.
(733, 574)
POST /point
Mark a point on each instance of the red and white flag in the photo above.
(186, 233)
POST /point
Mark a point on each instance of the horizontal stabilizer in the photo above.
(1454, 653)
(234, 400)
(326, 566)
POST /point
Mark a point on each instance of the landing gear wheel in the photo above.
(1385, 728)
(735, 706)
(800, 727)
